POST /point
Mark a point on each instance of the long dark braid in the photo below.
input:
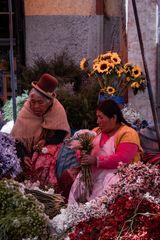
(110, 108)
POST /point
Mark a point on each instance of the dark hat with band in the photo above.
(46, 85)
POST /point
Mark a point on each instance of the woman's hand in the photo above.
(39, 145)
(28, 162)
(87, 159)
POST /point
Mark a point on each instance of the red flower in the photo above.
(131, 218)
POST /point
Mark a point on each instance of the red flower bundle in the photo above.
(129, 218)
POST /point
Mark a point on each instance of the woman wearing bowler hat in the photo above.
(40, 129)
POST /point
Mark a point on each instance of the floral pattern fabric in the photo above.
(44, 165)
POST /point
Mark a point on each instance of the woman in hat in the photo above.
(40, 129)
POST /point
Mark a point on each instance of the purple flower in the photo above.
(9, 163)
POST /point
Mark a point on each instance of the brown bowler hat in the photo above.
(46, 85)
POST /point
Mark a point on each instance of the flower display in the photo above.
(113, 76)
(74, 214)
(128, 219)
(130, 209)
(21, 215)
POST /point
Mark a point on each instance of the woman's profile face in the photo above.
(105, 123)
(39, 104)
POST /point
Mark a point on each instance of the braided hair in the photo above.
(110, 108)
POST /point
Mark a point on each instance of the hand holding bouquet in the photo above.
(82, 140)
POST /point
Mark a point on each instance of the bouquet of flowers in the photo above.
(113, 76)
(82, 140)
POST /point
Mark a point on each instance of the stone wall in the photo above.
(147, 18)
(53, 28)
(74, 27)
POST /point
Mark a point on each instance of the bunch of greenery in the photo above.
(62, 67)
(21, 215)
(80, 106)
(8, 106)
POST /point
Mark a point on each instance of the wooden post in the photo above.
(13, 82)
(154, 113)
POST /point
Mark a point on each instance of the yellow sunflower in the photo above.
(110, 67)
(136, 71)
(115, 58)
(96, 60)
(83, 63)
(142, 81)
(127, 67)
(128, 79)
(103, 90)
(110, 90)
(102, 67)
(106, 56)
(120, 72)
(95, 66)
(135, 85)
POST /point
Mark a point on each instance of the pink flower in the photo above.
(74, 144)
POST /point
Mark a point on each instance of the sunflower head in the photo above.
(128, 79)
(136, 71)
(96, 60)
(102, 67)
(83, 64)
(128, 67)
(135, 85)
(120, 72)
(115, 58)
(95, 66)
(110, 90)
(106, 56)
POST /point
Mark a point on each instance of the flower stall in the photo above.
(129, 209)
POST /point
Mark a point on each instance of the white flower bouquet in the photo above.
(82, 140)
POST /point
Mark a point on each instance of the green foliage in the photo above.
(8, 106)
(21, 215)
(62, 67)
(80, 107)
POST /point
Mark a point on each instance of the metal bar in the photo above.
(154, 113)
(100, 25)
(13, 81)
(158, 62)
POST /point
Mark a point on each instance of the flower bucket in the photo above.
(118, 99)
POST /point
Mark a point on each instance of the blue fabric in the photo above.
(66, 159)
(117, 99)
